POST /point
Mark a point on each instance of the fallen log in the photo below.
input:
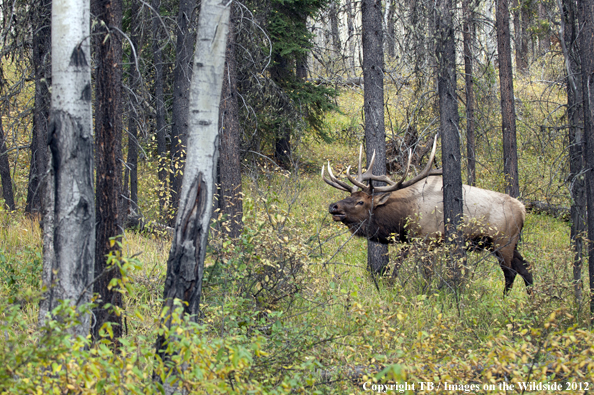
(554, 210)
(138, 223)
(339, 81)
(357, 81)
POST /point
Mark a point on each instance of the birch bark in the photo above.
(185, 266)
(69, 210)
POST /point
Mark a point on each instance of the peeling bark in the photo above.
(185, 266)
(69, 209)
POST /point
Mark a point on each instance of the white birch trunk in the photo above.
(185, 266)
(69, 212)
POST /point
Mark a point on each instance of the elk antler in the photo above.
(336, 183)
(424, 174)
(369, 176)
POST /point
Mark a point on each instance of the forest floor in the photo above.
(290, 306)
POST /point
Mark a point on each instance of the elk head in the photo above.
(365, 197)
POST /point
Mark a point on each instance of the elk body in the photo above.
(403, 210)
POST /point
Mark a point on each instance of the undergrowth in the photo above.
(289, 306)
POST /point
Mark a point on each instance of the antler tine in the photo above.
(327, 181)
(407, 167)
(332, 184)
(332, 177)
(335, 182)
(356, 181)
(427, 170)
(360, 161)
(368, 176)
(425, 173)
(370, 166)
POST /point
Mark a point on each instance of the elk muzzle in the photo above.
(337, 213)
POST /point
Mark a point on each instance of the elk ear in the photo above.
(380, 200)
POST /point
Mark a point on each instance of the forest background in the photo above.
(288, 302)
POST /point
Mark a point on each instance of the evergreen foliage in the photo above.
(281, 100)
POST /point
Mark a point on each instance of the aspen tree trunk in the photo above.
(521, 45)
(335, 32)
(69, 209)
(489, 37)
(352, 47)
(544, 39)
(185, 266)
(525, 38)
(390, 28)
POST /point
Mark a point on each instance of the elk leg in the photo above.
(508, 272)
(510, 276)
(523, 269)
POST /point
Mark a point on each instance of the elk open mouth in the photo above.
(338, 217)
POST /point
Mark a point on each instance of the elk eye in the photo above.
(360, 203)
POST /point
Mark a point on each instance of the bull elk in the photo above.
(403, 210)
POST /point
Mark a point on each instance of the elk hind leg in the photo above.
(508, 271)
(523, 269)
